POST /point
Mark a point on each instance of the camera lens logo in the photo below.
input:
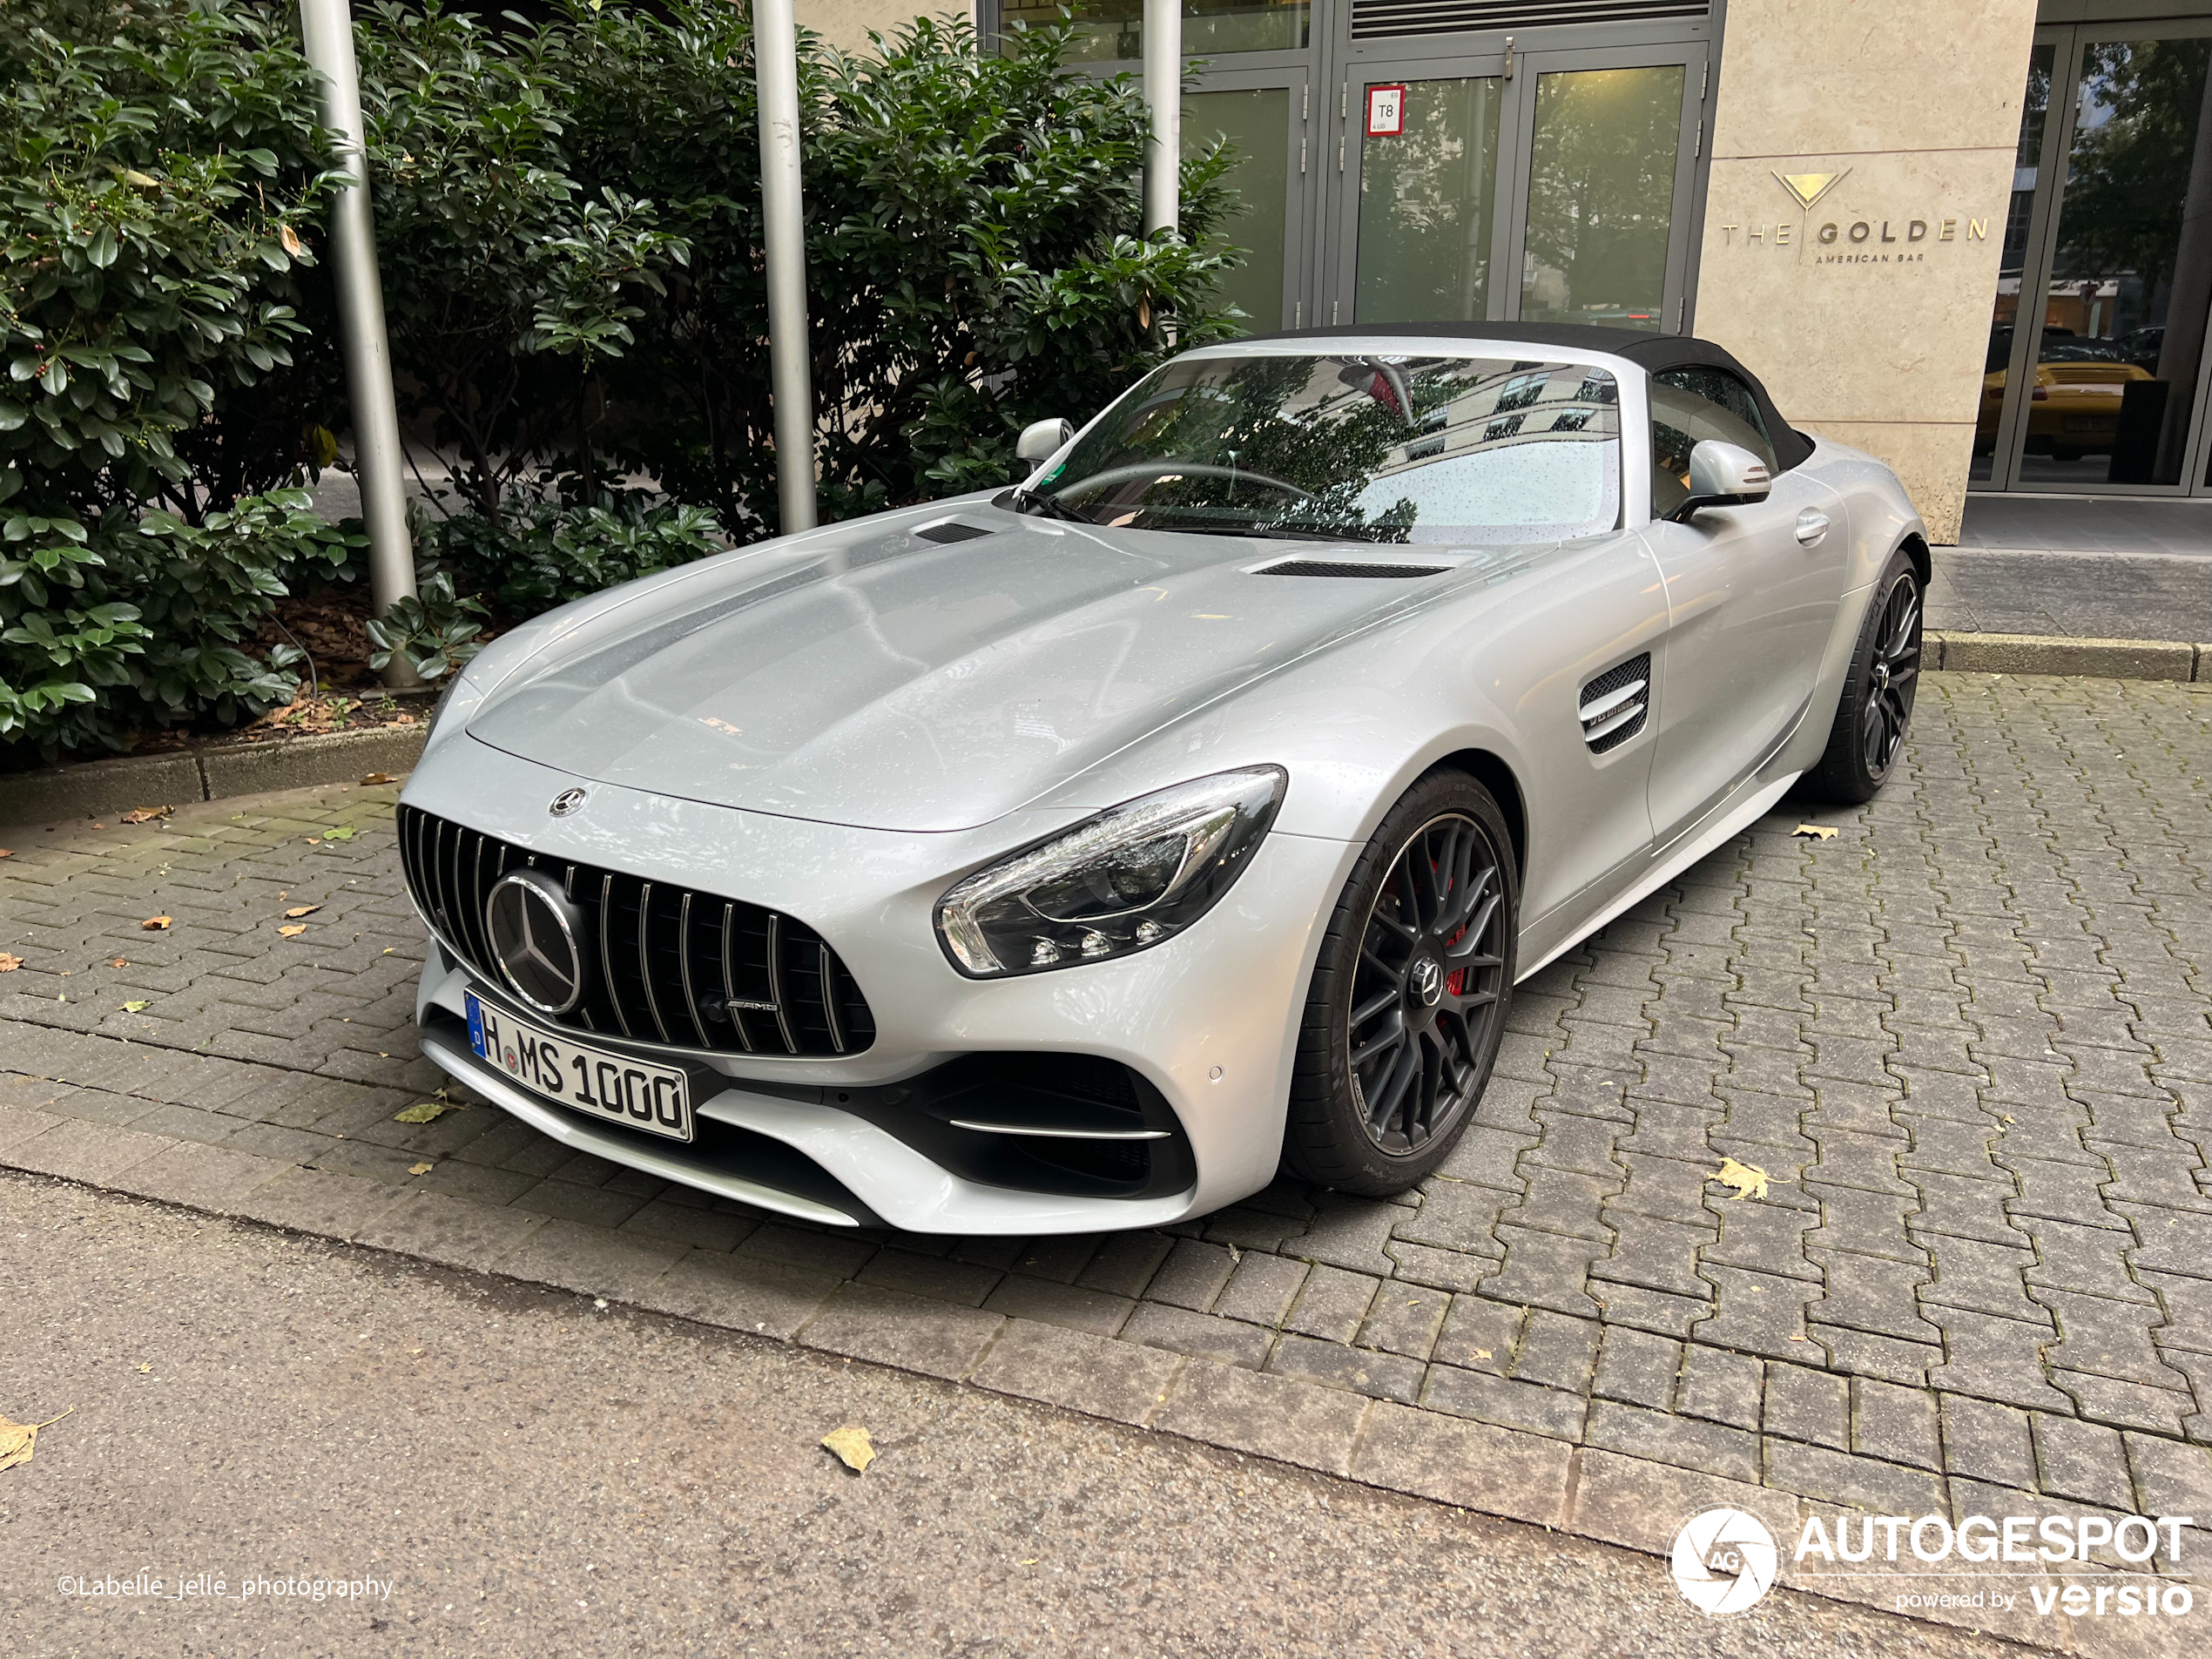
(1725, 1562)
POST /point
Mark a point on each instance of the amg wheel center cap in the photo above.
(1427, 981)
(534, 932)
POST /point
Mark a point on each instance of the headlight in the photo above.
(1132, 877)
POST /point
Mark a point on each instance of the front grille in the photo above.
(669, 965)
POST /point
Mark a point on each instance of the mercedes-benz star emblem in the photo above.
(566, 802)
(533, 930)
(1428, 982)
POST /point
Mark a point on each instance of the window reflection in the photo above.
(1113, 31)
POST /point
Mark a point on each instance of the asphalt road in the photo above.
(530, 1473)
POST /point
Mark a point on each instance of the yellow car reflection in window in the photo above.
(2074, 409)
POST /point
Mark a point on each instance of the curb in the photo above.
(2131, 659)
(208, 771)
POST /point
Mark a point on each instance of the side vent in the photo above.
(1615, 704)
(1374, 18)
(950, 530)
(1323, 567)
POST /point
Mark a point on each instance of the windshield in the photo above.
(1403, 450)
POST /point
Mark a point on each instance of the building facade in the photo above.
(1865, 200)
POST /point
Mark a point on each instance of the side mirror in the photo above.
(1722, 475)
(1040, 439)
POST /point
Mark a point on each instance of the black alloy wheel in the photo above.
(1410, 994)
(1875, 711)
(1893, 673)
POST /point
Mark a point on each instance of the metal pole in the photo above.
(783, 223)
(327, 26)
(1163, 97)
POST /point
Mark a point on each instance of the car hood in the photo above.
(869, 675)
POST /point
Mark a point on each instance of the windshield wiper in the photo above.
(1027, 501)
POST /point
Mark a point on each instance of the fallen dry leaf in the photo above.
(293, 931)
(377, 777)
(147, 814)
(157, 924)
(1749, 1180)
(300, 910)
(426, 1111)
(420, 1168)
(7, 852)
(343, 832)
(8, 963)
(136, 1008)
(116, 962)
(853, 1447)
(1815, 831)
(18, 1439)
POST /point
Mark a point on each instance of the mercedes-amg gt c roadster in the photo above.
(1079, 856)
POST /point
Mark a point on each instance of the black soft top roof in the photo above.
(1648, 351)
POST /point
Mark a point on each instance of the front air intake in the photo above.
(1615, 704)
(1325, 567)
(666, 964)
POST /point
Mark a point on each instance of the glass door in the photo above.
(1262, 117)
(2096, 364)
(1554, 187)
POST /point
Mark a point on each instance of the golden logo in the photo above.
(1809, 188)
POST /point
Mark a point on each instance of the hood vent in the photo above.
(950, 529)
(1374, 18)
(1615, 704)
(1325, 567)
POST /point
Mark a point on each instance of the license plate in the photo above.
(617, 1087)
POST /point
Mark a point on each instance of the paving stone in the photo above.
(1404, 1319)
(567, 1201)
(315, 1201)
(206, 1178)
(1985, 1441)
(682, 1223)
(1124, 1263)
(1348, 1233)
(1442, 1269)
(2085, 1461)
(1626, 1500)
(1366, 1371)
(1473, 1465)
(1276, 1417)
(1201, 1335)
(1557, 1352)
(1805, 1405)
(1840, 1477)
(1262, 1288)
(1332, 1303)
(1457, 1215)
(836, 1253)
(1722, 1386)
(591, 1259)
(740, 1293)
(1192, 1276)
(452, 1231)
(1637, 1368)
(97, 1153)
(1078, 1370)
(930, 1276)
(1657, 1435)
(1075, 1306)
(915, 1333)
(1504, 1401)
(1896, 1423)
(1480, 1334)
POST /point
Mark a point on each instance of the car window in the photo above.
(1442, 450)
(1688, 406)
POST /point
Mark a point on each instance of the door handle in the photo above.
(1811, 527)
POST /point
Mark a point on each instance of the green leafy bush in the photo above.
(549, 553)
(434, 630)
(151, 622)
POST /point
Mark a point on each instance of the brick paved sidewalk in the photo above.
(1969, 1040)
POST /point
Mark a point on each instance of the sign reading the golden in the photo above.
(1872, 238)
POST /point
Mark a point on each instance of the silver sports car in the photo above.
(1078, 857)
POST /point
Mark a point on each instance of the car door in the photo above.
(1751, 593)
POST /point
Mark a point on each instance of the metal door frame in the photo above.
(1297, 78)
(1441, 57)
(2044, 216)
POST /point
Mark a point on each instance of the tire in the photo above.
(1875, 709)
(1378, 1124)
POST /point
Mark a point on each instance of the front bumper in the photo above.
(1207, 1021)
